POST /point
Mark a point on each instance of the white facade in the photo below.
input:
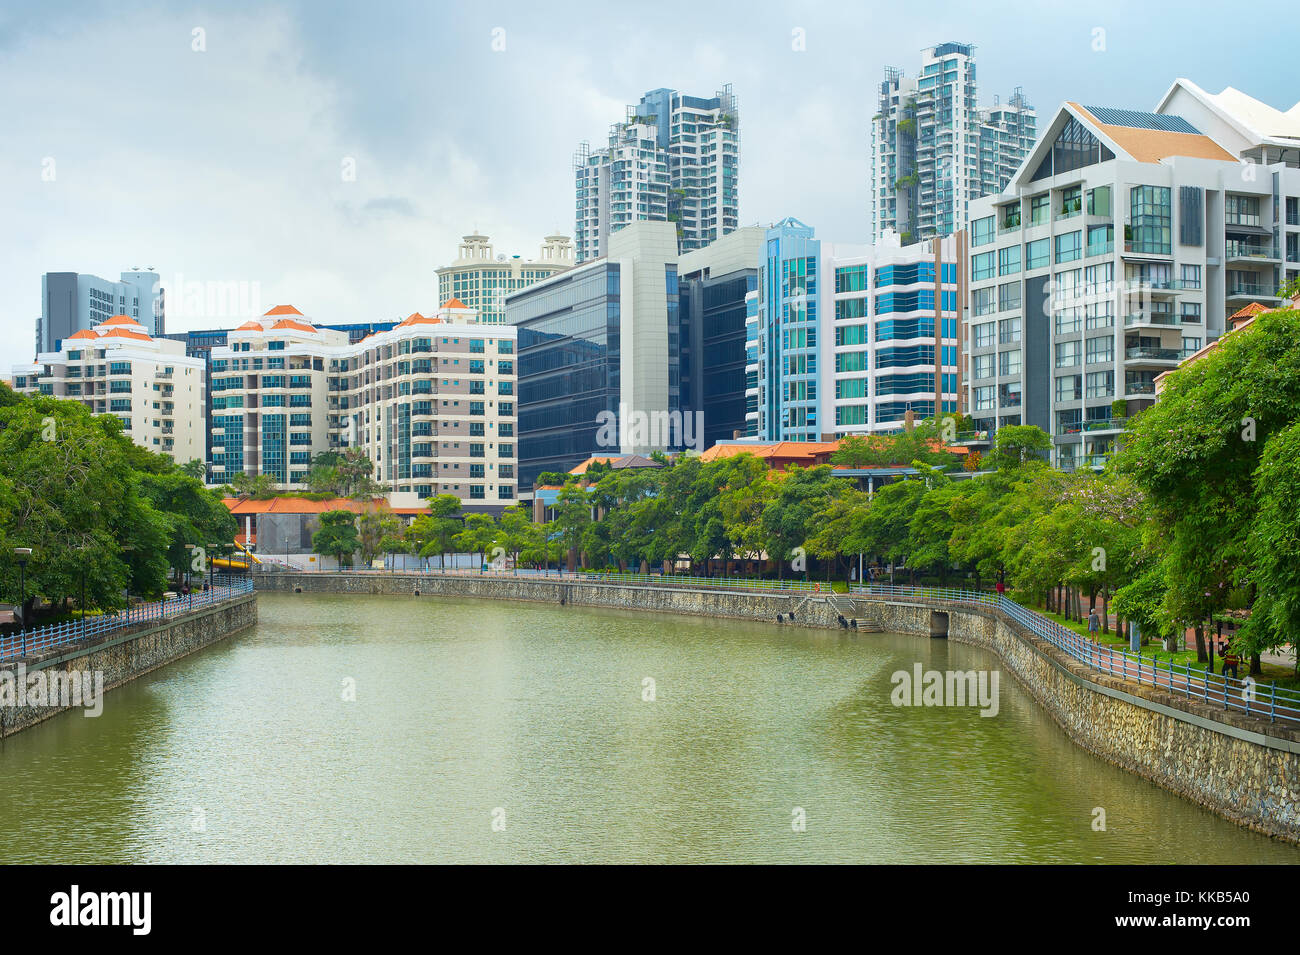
(482, 280)
(1121, 245)
(118, 368)
(848, 339)
(675, 158)
(431, 401)
(934, 149)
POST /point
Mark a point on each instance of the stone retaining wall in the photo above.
(121, 657)
(1243, 768)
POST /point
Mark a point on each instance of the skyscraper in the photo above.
(933, 149)
(674, 158)
(74, 302)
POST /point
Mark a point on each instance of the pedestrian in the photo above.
(1000, 587)
(1229, 660)
(1094, 621)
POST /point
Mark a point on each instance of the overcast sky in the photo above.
(125, 146)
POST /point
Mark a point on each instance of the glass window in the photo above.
(1008, 296)
(1009, 260)
(982, 300)
(1101, 349)
(1071, 201)
(1009, 362)
(982, 266)
(1069, 247)
(1009, 331)
(1069, 320)
(1191, 276)
(1040, 209)
(1101, 239)
(1099, 201)
(1100, 384)
(1150, 231)
(984, 335)
(1038, 254)
(1069, 388)
(982, 231)
(1067, 354)
(984, 398)
(982, 366)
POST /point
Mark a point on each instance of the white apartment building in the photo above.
(1120, 246)
(934, 149)
(675, 158)
(482, 279)
(118, 368)
(431, 401)
(848, 339)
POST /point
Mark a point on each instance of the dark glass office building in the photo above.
(568, 365)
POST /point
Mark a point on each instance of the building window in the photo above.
(1150, 231)
(1009, 331)
(1101, 384)
(984, 335)
(1009, 260)
(1191, 276)
(982, 231)
(1009, 362)
(1067, 354)
(1101, 349)
(1069, 388)
(982, 301)
(982, 266)
(1040, 209)
(1009, 296)
(1071, 201)
(1038, 254)
(1099, 201)
(1069, 247)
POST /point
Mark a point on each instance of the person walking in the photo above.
(1094, 621)
(1000, 587)
(1230, 659)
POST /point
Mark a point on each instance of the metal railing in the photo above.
(43, 639)
(1230, 693)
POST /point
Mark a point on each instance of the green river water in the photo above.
(469, 713)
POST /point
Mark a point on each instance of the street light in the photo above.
(22, 554)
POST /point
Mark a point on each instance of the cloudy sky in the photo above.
(210, 141)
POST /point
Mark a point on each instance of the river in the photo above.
(489, 731)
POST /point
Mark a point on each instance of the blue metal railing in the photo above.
(1243, 695)
(43, 639)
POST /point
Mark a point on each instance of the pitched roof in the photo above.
(120, 320)
(84, 333)
(454, 303)
(283, 310)
(1254, 308)
(249, 327)
(617, 463)
(125, 333)
(1131, 132)
(290, 323)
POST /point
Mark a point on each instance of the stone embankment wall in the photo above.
(121, 657)
(1244, 768)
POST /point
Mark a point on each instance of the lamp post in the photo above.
(127, 549)
(83, 601)
(189, 589)
(22, 554)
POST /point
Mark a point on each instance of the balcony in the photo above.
(1144, 355)
(1238, 250)
(1161, 318)
(1139, 389)
(1243, 290)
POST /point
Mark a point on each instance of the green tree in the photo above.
(337, 536)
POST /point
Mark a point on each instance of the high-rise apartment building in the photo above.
(431, 401)
(73, 302)
(847, 339)
(1121, 245)
(934, 149)
(118, 368)
(674, 158)
(482, 279)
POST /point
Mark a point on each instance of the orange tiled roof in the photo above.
(126, 333)
(249, 327)
(415, 318)
(283, 310)
(1251, 310)
(454, 303)
(84, 333)
(120, 320)
(290, 323)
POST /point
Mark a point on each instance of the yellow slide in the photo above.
(231, 564)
